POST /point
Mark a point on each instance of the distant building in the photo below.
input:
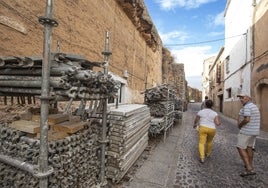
(216, 81)
(205, 76)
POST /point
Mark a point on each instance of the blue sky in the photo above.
(187, 28)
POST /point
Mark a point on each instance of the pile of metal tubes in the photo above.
(74, 159)
(71, 76)
(161, 101)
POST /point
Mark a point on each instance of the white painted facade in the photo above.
(238, 48)
(205, 76)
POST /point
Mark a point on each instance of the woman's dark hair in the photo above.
(209, 103)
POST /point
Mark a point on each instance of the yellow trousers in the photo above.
(206, 136)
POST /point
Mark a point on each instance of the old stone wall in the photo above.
(135, 45)
(259, 79)
(173, 73)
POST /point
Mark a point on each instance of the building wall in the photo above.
(205, 76)
(216, 84)
(231, 108)
(260, 66)
(174, 75)
(194, 94)
(237, 53)
(136, 48)
(179, 79)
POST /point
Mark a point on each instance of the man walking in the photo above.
(249, 124)
(203, 105)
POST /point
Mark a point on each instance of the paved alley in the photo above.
(175, 162)
(223, 167)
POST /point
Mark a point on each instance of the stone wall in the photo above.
(173, 73)
(259, 79)
(135, 45)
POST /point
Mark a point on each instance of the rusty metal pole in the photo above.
(48, 23)
(104, 140)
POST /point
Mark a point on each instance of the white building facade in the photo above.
(205, 76)
(237, 53)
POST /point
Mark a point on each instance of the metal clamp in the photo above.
(48, 21)
(39, 174)
(103, 141)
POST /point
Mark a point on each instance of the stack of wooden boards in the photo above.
(60, 126)
(128, 138)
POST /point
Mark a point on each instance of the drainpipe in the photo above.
(252, 45)
(104, 140)
(252, 33)
(48, 23)
(254, 3)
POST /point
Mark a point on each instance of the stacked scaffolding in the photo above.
(128, 137)
(178, 109)
(74, 160)
(71, 77)
(161, 101)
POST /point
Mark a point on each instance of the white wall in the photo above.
(238, 21)
(205, 76)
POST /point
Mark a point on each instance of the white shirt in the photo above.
(207, 117)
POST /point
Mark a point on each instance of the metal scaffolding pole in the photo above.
(48, 23)
(104, 140)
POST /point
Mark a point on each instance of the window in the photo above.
(227, 62)
(218, 74)
(229, 92)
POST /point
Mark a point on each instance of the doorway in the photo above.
(220, 99)
(263, 88)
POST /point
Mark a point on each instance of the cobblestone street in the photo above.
(175, 162)
(224, 165)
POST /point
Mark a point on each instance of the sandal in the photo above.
(247, 173)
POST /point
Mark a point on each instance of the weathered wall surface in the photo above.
(134, 42)
(260, 69)
(173, 73)
(231, 108)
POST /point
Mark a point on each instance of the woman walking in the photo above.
(207, 120)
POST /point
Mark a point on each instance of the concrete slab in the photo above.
(169, 145)
(164, 156)
(129, 109)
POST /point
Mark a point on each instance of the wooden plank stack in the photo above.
(128, 138)
(60, 126)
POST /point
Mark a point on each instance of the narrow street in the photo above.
(223, 167)
(175, 162)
